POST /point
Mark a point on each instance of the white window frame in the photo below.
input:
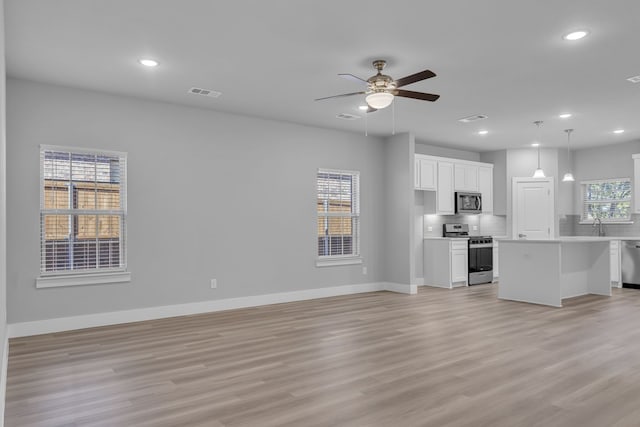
(48, 279)
(355, 258)
(583, 201)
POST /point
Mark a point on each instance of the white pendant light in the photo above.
(568, 177)
(539, 173)
(379, 100)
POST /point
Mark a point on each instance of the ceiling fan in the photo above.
(381, 89)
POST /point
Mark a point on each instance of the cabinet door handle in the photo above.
(522, 236)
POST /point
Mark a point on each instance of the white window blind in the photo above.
(338, 207)
(83, 209)
(608, 200)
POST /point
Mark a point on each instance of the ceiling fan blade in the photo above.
(340, 96)
(353, 78)
(415, 95)
(422, 75)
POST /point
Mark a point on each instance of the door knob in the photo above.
(522, 236)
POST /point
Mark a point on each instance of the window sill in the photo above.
(607, 222)
(330, 262)
(82, 279)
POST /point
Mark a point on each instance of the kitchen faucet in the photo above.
(597, 222)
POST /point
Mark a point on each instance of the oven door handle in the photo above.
(481, 245)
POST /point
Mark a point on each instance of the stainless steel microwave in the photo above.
(468, 203)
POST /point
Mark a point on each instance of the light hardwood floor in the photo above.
(456, 357)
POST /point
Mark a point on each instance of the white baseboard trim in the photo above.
(3, 375)
(61, 324)
(401, 288)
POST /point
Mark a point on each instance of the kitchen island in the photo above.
(547, 271)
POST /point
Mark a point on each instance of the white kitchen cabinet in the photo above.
(446, 262)
(485, 187)
(615, 267)
(441, 177)
(445, 203)
(466, 177)
(636, 183)
(426, 174)
(496, 253)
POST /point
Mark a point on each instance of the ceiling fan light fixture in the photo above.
(379, 100)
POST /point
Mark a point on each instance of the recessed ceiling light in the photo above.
(148, 62)
(576, 35)
(535, 144)
(618, 131)
(363, 107)
(483, 132)
(565, 115)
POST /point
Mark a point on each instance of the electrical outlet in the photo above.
(429, 228)
(214, 283)
(364, 270)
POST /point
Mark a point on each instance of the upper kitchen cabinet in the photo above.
(466, 177)
(485, 187)
(441, 177)
(426, 173)
(445, 202)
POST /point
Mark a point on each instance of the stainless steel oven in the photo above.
(480, 260)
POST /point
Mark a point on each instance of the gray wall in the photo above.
(3, 202)
(499, 160)
(399, 236)
(211, 195)
(610, 161)
(433, 150)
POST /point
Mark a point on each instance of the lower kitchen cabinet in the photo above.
(446, 262)
(615, 268)
(496, 252)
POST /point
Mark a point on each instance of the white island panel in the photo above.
(546, 271)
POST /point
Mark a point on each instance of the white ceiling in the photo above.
(271, 59)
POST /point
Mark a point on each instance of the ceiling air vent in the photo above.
(347, 116)
(204, 92)
(634, 79)
(473, 118)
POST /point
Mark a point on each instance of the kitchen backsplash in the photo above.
(485, 225)
(572, 227)
(493, 225)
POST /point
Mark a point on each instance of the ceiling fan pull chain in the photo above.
(365, 124)
(393, 118)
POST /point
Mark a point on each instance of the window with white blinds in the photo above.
(83, 210)
(608, 200)
(338, 207)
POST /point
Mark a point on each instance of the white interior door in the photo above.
(533, 208)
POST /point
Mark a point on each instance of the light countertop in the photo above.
(570, 239)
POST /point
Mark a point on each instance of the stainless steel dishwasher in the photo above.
(631, 264)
